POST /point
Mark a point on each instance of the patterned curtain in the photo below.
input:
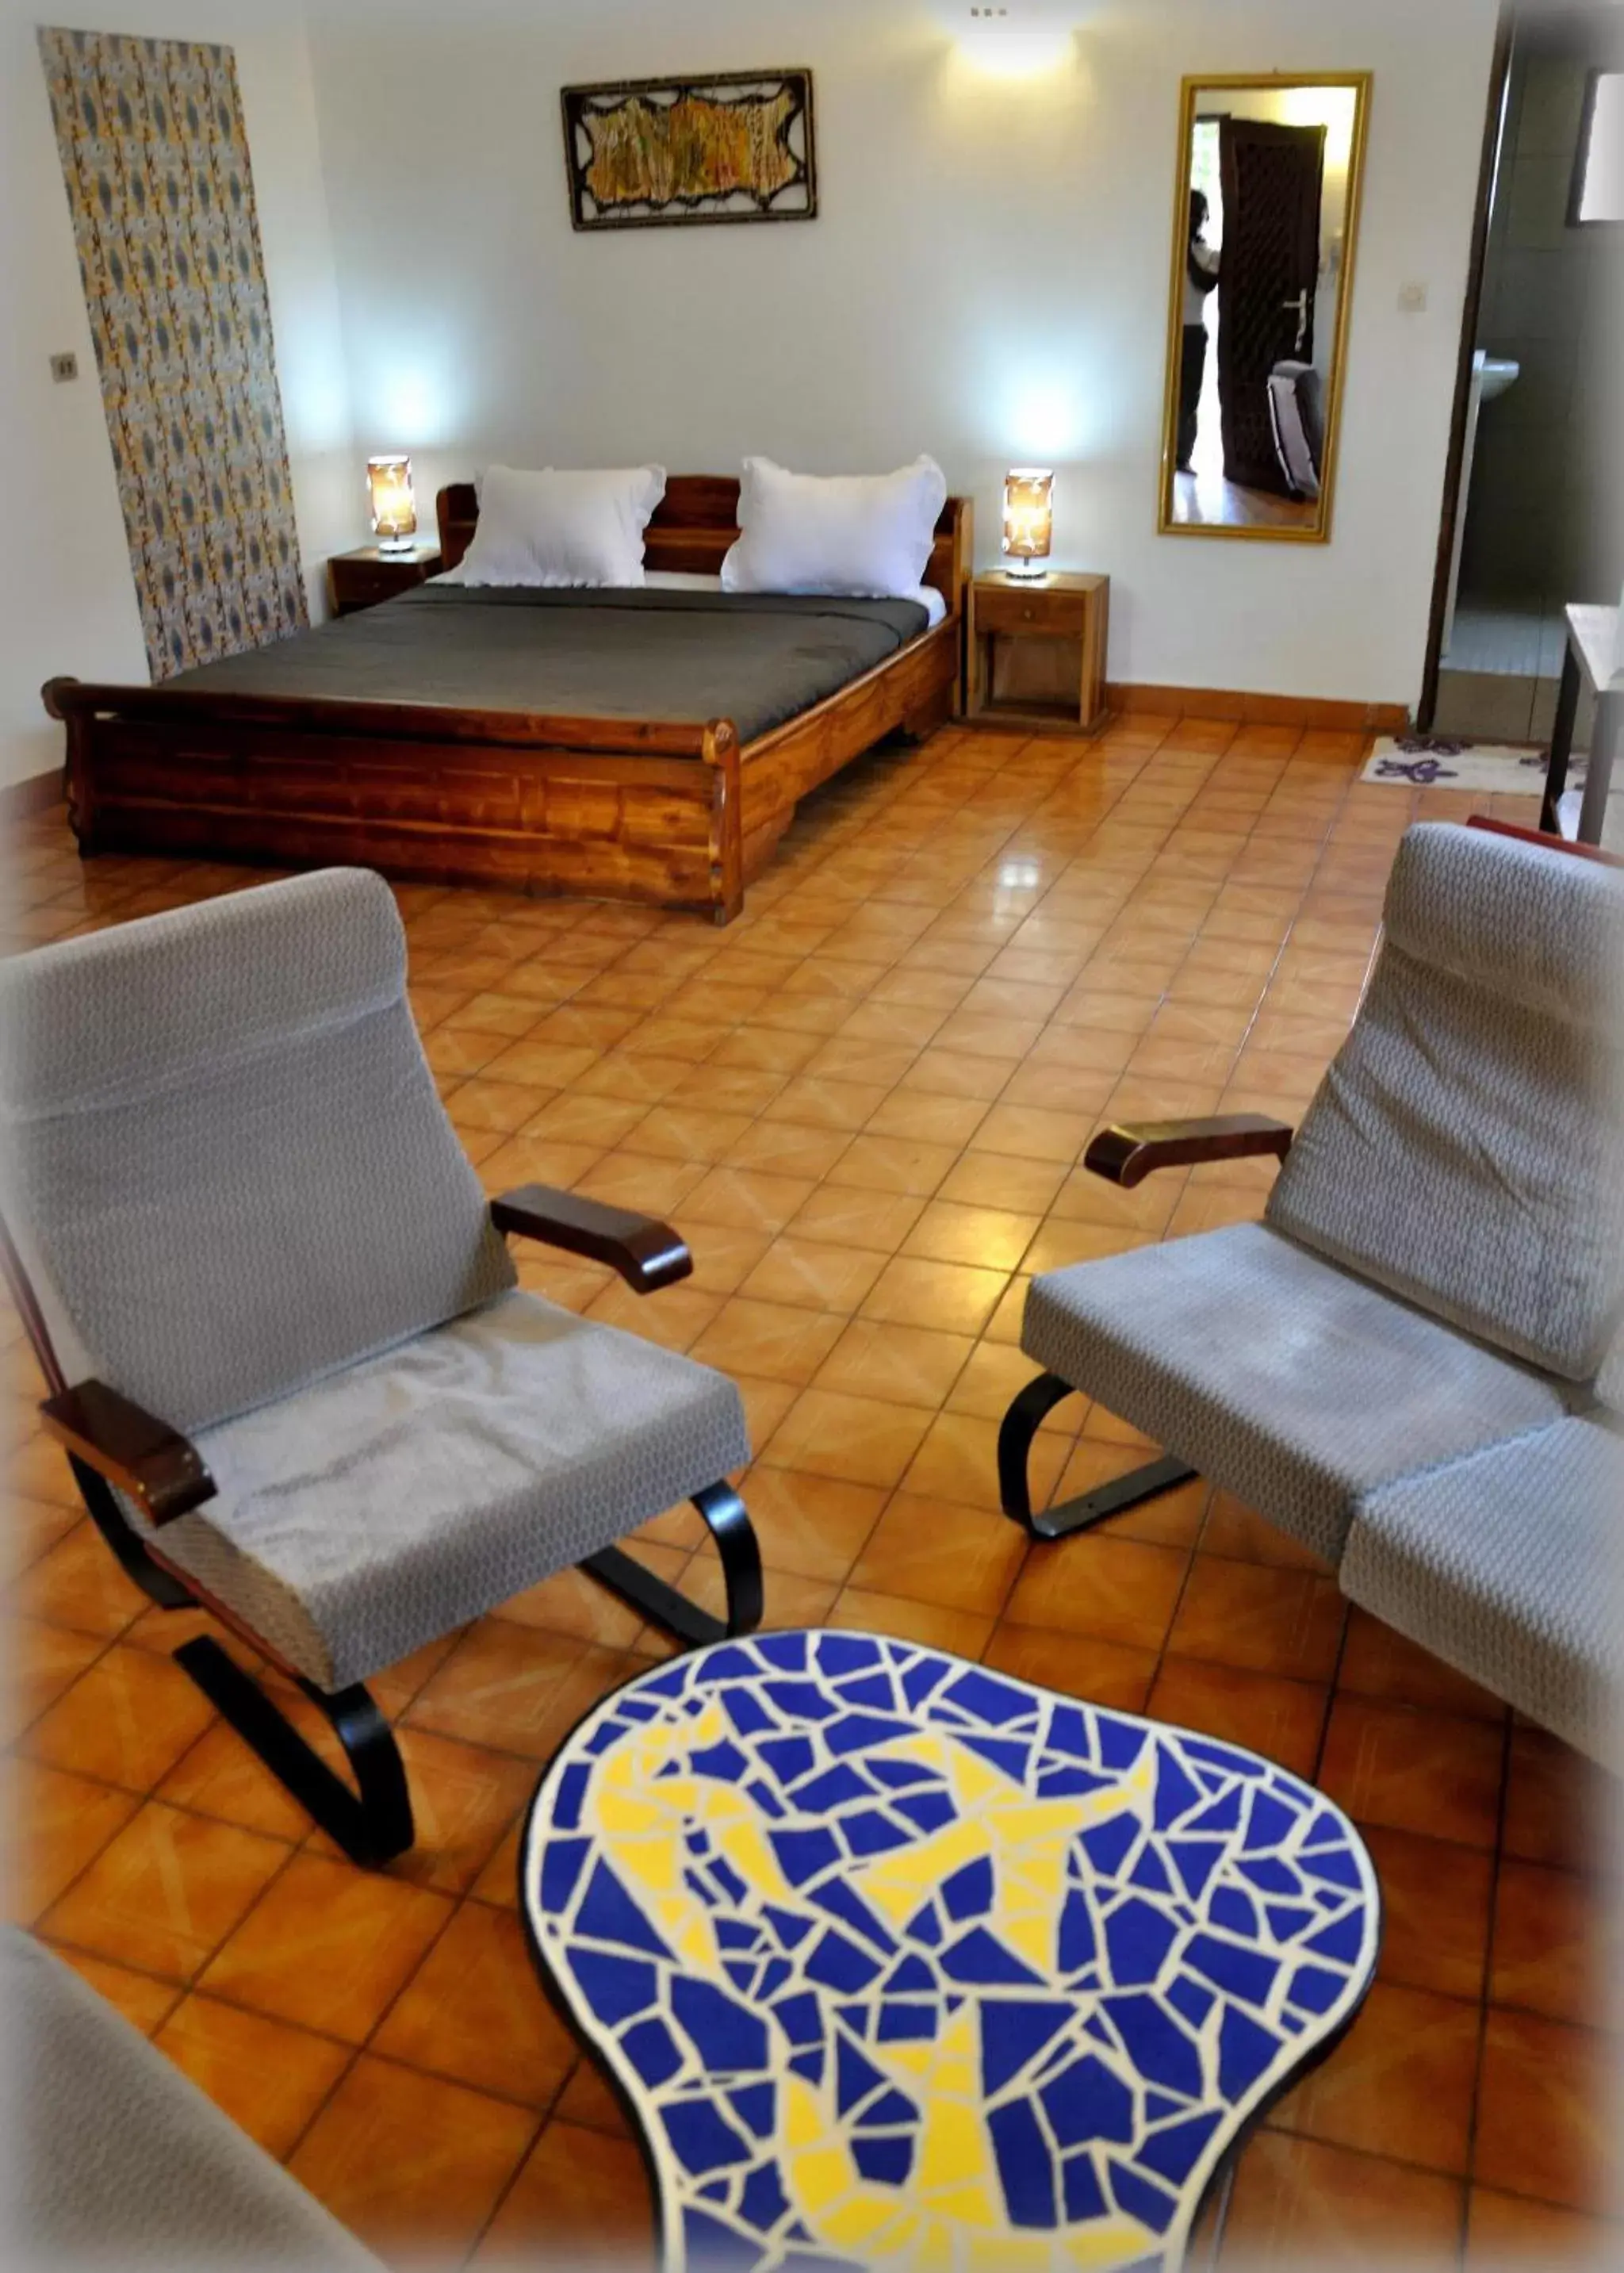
(155, 159)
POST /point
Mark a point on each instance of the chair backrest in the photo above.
(1465, 1148)
(117, 2159)
(223, 1163)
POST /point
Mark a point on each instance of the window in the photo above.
(1599, 176)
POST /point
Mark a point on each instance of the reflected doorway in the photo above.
(1204, 494)
(1265, 215)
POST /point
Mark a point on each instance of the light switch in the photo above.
(1412, 299)
(64, 367)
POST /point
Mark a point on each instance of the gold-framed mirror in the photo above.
(1266, 209)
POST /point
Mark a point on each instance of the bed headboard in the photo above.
(697, 521)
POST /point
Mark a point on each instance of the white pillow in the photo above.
(558, 528)
(868, 535)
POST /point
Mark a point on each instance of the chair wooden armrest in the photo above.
(141, 1454)
(1126, 1153)
(649, 1255)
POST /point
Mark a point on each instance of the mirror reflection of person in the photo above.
(1201, 276)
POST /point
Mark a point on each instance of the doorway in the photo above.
(1526, 528)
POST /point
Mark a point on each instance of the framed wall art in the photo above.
(648, 154)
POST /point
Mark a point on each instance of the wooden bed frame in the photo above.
(674, 813)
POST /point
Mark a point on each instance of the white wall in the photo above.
(987, 280)
(69, 602)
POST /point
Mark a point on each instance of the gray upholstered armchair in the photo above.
(1440, 1266)
(116, 2157)
(287, 1355)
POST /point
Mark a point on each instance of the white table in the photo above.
(1592, 645)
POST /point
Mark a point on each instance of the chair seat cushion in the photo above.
(381, 1507)
(1506, 1565)
(1281, 1377)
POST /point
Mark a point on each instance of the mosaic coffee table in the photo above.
(901, 1963)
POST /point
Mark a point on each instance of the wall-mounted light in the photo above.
(1013, 39)
(394, 509)
(1028, 520)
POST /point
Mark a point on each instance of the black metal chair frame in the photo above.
(373, 1823)
(1025, 1417)
(1123, 1154)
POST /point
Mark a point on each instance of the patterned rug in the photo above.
(899, 1963)
(1438, 762)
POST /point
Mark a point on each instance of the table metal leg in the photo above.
(1561, 743)
(1598, 780)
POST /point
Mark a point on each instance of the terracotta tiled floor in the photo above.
(863, 1104)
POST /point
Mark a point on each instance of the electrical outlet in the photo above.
(64, 367)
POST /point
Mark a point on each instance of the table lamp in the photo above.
(1028, 520)
(395, 511)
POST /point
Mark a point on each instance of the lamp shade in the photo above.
(394, 510)
(1028, 515)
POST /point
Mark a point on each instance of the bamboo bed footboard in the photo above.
(679, 816)
(625, 809)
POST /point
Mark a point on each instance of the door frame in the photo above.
(1454, 504)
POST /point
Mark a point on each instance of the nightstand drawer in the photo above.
(1062, 615)
(363, 578)
(365, 587)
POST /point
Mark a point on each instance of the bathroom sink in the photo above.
(1495, 374)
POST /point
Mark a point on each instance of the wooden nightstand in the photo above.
(1038, 649)
(363, 578)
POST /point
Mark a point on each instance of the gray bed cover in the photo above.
(680, 657)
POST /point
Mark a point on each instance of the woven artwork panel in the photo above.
(155, 154)
(645, 153)
(899, 1963)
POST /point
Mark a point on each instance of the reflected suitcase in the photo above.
(1297, 413)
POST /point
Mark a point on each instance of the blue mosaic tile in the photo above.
(901, 1963)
